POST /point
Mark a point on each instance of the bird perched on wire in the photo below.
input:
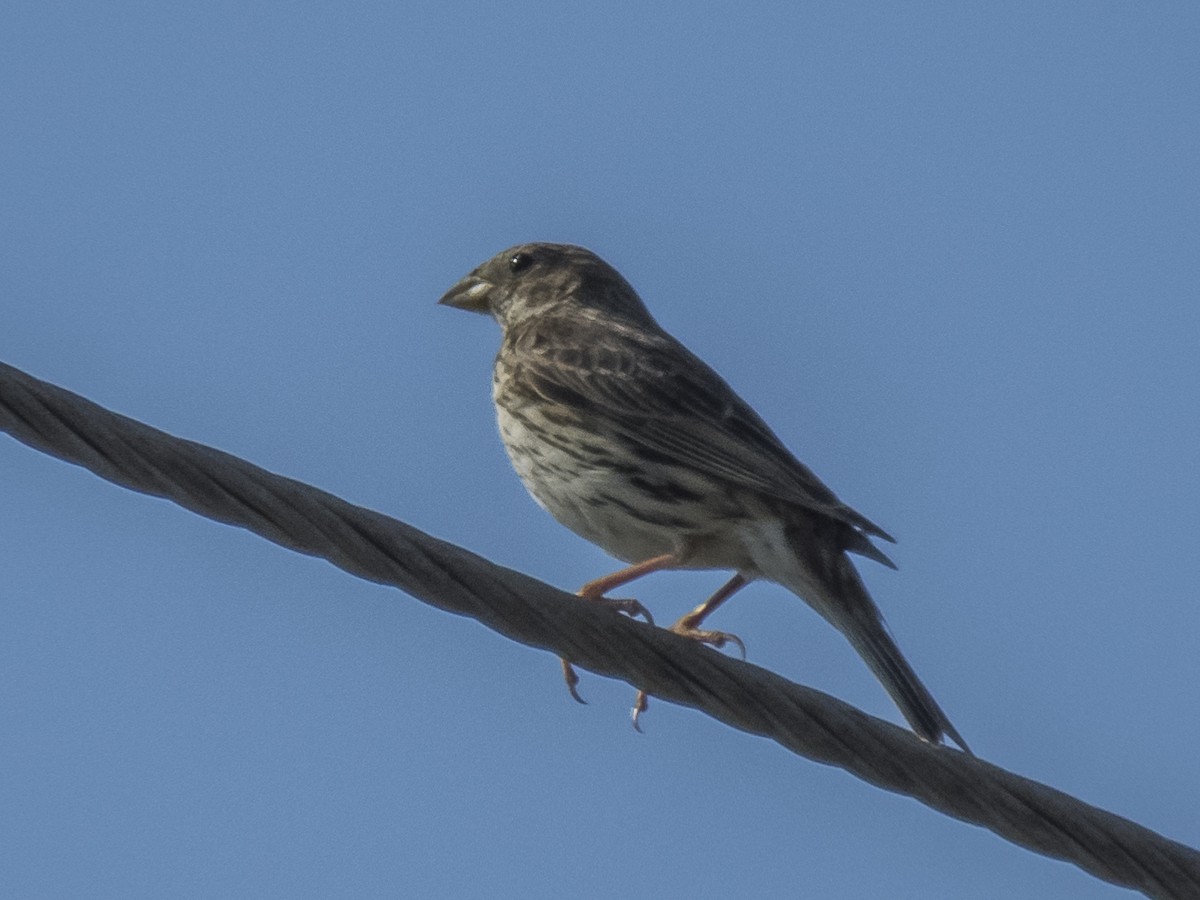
(634, 443)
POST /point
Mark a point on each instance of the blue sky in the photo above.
(949, 251)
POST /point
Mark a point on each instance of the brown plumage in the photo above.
(634, 443)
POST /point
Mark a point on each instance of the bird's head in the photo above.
(535, 279)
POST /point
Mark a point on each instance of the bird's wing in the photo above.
(651, 388)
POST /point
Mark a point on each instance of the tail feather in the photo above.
(842, 599)
(884, 658)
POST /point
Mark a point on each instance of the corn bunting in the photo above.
(632, 442)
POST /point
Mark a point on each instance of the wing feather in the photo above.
(649, 387)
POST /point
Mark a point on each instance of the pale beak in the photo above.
(472, 294)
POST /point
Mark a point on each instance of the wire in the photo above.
(381, 549)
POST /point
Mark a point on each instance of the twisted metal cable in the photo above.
(384, 550)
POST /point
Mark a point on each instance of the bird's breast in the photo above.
(593, 481)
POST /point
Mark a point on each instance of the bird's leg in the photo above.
(689, 627)
(595, 590)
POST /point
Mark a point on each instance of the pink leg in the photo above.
(689, 626)
(595, 590)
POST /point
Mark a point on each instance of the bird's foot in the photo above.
(571, 677)
(630, 607)
(684, 628)
(714, 639)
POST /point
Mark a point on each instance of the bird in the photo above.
(635, 444)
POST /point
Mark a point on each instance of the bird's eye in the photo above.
(519, 262)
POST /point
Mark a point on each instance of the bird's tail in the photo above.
(842, 598)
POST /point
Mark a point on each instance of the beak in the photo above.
(471, 294)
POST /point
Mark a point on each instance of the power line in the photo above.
(384, 550)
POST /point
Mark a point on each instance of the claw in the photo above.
(632, 608)
(733, 638)
(715, 639)
(571, 677)
(639, 707)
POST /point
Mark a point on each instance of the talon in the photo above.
(571, 677)
(632, 608)
(741, 645)
(639, 706)
(715, 639)
(629, 606)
